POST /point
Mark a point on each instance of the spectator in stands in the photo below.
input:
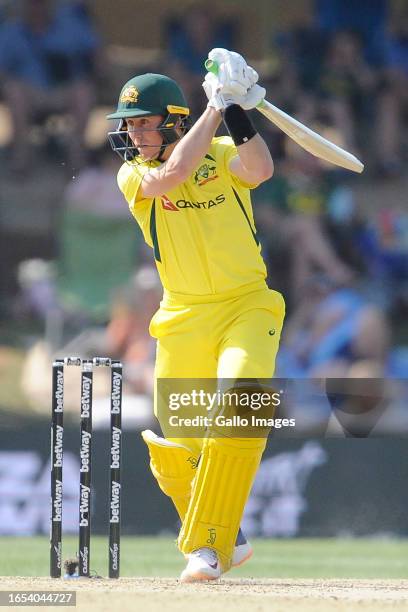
(3, 9)
(346, 84)
(47, 60)
(97, 253)
(95, 189)
(127, 336)
(393, 99)
(384, 246)
(289, 211)
(367, 18)
(331, 330)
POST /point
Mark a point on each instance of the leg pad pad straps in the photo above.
(174, 467)
(221, 488)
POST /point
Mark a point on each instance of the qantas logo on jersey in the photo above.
(182, 204)
(167, 204)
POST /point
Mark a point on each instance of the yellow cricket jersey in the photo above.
(202, 232)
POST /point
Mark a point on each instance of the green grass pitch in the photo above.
(158, 556)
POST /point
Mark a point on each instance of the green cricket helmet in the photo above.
(144, 95)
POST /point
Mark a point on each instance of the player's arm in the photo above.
(254, 163)
(184, 158)
(233, 89)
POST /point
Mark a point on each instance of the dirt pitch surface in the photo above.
(246, 595)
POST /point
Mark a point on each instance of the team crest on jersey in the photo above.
(130, 94)
(167, 204)
(204, 174)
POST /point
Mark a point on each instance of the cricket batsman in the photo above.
(190, 193)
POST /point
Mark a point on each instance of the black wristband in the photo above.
(238, 124)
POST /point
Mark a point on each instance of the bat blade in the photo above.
(308, 139)
(305, 137)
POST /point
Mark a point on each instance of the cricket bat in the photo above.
(305, 137)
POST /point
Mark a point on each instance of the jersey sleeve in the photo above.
(227, 151)
(129, 181)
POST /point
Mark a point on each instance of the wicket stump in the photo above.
(85, 486)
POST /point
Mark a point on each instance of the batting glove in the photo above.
(252, 98)
(212, 88)
(234, 74)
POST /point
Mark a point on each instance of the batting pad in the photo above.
(174, 467)
(221, 488)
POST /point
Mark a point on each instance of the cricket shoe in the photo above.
(242, 550)
(203, 564)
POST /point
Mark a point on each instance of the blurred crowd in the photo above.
(343, 267)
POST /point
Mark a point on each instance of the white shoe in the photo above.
(203, 564)
(242, 552)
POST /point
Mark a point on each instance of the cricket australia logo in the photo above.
(204, 174)
(130, 94)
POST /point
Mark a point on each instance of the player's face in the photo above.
(144, 135)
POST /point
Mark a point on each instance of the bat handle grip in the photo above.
(211, 66)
